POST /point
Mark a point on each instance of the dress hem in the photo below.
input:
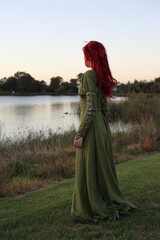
(117, 215)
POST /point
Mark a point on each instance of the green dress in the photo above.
(96, 192)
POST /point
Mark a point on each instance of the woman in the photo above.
(96, 193)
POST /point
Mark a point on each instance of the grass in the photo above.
(135, 107)
(45, 214)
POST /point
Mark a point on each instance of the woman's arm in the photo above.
(91, 106)
(105, 108)
(90, 86)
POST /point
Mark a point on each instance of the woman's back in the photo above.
(89, 83)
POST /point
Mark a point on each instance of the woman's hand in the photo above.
(78, 142)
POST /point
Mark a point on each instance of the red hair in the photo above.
(96, 53)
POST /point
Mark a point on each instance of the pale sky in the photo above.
(45, 37)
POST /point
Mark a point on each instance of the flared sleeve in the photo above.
(90, 87)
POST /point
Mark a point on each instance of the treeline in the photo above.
(152, 86)
(23, 83)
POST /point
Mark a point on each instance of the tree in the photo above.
(40, 86)
(73, 86)
(10, 84)
(73, 81)
(79, 78)
(25, 82)
(64, 88)
(157, 80)
(55, 83)
(2, 81)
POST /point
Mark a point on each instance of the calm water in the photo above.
(19, 114)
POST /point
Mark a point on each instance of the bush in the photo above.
(19, 169)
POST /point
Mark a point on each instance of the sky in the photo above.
(45, 37)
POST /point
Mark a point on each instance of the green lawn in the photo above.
(45, 214)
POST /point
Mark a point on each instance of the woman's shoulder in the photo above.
(91, 76)
(90, 81)
(90, 72)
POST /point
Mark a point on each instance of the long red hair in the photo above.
(96, 53)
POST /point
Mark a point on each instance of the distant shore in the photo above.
(36, 94)
(116, 94)
(51, 94)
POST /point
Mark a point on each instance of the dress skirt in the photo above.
(96, 192)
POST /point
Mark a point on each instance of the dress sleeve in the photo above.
(90, 86)
(105, 108)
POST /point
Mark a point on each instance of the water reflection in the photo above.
(19, 114)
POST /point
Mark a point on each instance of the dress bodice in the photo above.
(91, 86)
(92, 101)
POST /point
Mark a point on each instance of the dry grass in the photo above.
(142, 139)
(21, 186)
(30, 163)
(26, 167)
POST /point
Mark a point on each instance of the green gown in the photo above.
(96, 192)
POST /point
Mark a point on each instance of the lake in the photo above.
(21, 114)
